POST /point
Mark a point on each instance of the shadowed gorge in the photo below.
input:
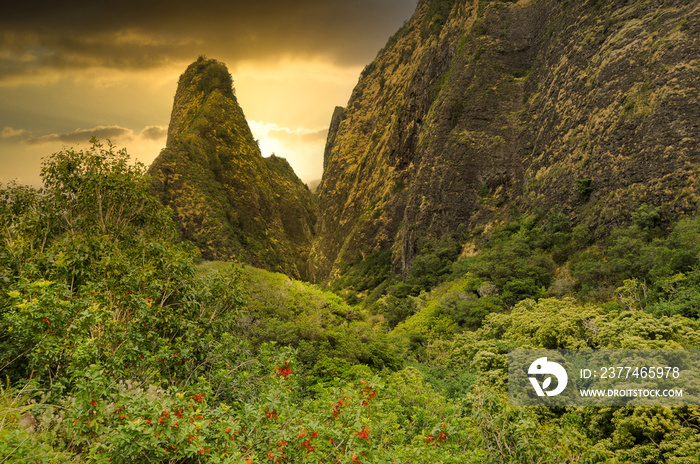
(229, 200)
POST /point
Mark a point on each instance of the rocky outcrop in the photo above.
(229, 200)
(478, 108)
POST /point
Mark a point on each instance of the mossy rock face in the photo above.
(229, 200)
(475, 110)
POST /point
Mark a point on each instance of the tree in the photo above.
(86, 257)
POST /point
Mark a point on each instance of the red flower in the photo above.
(363, 434)
(337, 406)
(309, 447)
(284, 370)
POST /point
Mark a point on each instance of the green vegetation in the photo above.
(116, 347)
(318, 324)
(583, 188)
(436, 16)
(535, 256)
(212, 76)
(540, 281)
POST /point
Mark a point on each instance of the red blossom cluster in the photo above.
(368, 393)
(276, 458)
(284, 370)
(310, 448)
(364, 433)
(337, 407)
(307, 444)
(164, 416)
(442, 436)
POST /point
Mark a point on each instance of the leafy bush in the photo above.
(583, 188)
(318, 323)
(394, 309)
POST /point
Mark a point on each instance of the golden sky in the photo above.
(77, 69)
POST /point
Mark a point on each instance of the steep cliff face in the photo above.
(478, 107)
(227, 198)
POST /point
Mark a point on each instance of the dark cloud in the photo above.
(147, 34)
(83, 135)
(30, 53)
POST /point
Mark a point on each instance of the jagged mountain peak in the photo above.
(228, 200)
(201, 78)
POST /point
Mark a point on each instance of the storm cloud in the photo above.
(148, 34)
